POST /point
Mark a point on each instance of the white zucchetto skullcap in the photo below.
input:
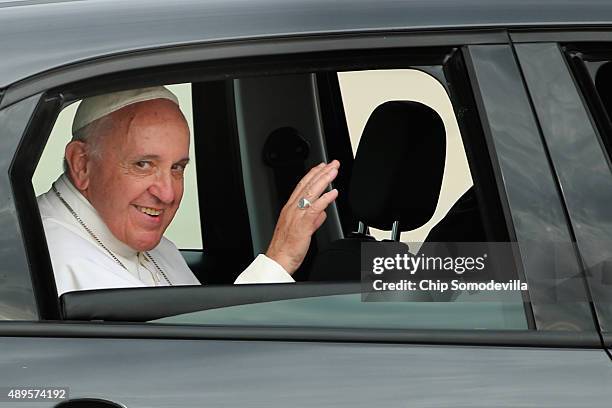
(99, 106)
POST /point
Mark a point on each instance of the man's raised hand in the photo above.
(296, 225)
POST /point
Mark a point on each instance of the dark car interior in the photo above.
(258, 131)
(592, 67)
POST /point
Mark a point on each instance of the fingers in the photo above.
(314, 172)
(323, 202)
(305, 180)
(317, 186)
(315, 214)
(315, 182)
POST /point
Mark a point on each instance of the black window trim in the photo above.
(491, 338)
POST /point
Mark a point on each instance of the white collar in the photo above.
(92, 219)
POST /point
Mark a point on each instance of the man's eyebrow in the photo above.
(147, 157)
(157, 157)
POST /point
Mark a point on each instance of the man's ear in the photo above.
(78, 164)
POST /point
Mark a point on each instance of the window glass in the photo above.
(469, 311)
(183, 231)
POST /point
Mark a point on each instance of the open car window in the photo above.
(417, 164)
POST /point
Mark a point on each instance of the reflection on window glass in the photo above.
(348, 311)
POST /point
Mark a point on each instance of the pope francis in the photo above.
(105, 217)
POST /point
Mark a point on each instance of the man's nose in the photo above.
(163, 188)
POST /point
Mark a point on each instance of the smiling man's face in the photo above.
(134, 178)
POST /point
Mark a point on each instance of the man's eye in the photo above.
(178, 167)
(143, 164)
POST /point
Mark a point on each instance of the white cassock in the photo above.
(80, 262)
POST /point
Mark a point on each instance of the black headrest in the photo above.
(398, 168)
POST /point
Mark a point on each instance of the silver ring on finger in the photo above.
(303, 203)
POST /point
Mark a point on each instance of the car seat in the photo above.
(462, 223)
(395, 184)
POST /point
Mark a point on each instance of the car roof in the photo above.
(41, 35)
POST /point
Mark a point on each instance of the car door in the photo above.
(328, 351)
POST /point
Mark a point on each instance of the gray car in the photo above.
(272, 85)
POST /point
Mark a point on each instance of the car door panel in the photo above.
(151, 373)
